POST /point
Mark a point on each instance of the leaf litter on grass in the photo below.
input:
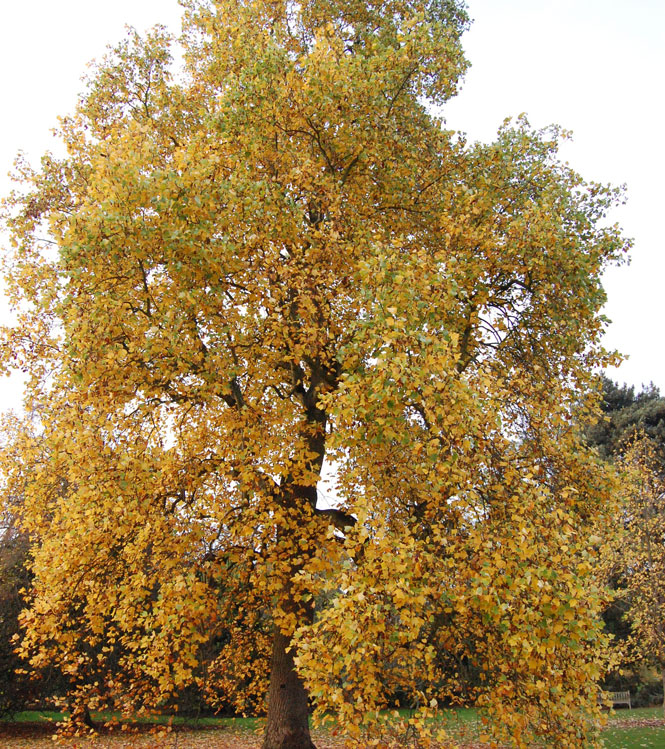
(33, 736)
(41, 736)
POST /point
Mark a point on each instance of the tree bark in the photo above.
(663, 675)
(80, 716)
(288, 710)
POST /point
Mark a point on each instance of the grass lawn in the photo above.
(627, 729)
(236, 724)
(629, 738)
(637, 713)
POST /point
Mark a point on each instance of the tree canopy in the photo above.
(638, 549)
(625, 416)
(631, 432)
(278, 258)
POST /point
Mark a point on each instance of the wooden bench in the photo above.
(620, 698)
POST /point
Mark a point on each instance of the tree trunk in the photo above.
(663, 674)
(288, 711)
(80, 716)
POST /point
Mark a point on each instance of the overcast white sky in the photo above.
(596, 67)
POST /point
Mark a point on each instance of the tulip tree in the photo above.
(277, 259)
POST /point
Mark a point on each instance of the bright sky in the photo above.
(596, 67)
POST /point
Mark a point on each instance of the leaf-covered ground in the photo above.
(33, 736)
(641, 729)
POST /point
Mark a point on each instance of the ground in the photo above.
(626, 730)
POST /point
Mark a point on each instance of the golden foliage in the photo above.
(281, 257)
(635, 548)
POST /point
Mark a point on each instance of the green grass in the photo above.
(52, 716)
(632, 738)
(615, 736)
(637, 713)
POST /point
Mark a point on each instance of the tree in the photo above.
(279, 259)
(632, 434)
(638, 550)
(626, 415)
(41, 684)
(15, 689)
